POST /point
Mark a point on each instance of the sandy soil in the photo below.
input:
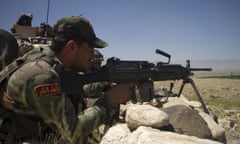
(209, 87)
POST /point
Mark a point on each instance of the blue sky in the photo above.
(187, 29)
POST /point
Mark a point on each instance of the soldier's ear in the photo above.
(70, 44)
(68, 48)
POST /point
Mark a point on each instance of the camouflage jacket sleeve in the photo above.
(36, 91)
(93, 90)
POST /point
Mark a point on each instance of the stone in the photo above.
(187, 121)
(145, 115)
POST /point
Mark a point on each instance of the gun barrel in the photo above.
(200, 69)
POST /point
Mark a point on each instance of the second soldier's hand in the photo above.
(120, 93)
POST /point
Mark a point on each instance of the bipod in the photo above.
(189, 80)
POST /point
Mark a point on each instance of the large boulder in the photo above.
(117, 134)
(187, 121)
(218, 132)
(120, 134)
(147, 135)
(145, 115)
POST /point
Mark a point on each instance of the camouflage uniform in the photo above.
(8, 52)
(45, 108)
(92, 92)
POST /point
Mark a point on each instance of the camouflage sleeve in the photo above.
(41, 95)
(36, 91)
(93, 90)
(58, 108)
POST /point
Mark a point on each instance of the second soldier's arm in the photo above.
(93, 90)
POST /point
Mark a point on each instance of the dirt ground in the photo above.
(228, 89)
(221, 95)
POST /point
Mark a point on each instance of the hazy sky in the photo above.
(187, 29)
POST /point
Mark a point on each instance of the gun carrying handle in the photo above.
(158, 51)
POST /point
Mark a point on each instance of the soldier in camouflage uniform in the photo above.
(96, 62)
(8, 52)
(92, 91)
(45, 112)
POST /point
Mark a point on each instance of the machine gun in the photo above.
(143, 73)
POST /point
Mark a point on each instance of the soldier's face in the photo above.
(83, 55)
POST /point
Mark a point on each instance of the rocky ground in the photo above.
(222, 96)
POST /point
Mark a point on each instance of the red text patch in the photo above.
(47, 89)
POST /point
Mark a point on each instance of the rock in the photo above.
(117, 134)
(226, 123)
(193, 104)
(187, 121)
(232, 136)
(218, 132)
(120, 134)
(145, 115)
(172, 101)
(147, 135)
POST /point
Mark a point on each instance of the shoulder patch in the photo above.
(47, 89)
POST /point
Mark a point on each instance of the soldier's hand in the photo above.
(120, 93)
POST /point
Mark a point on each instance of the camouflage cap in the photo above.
(77, 27)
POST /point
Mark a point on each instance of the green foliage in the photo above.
(224, 103)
